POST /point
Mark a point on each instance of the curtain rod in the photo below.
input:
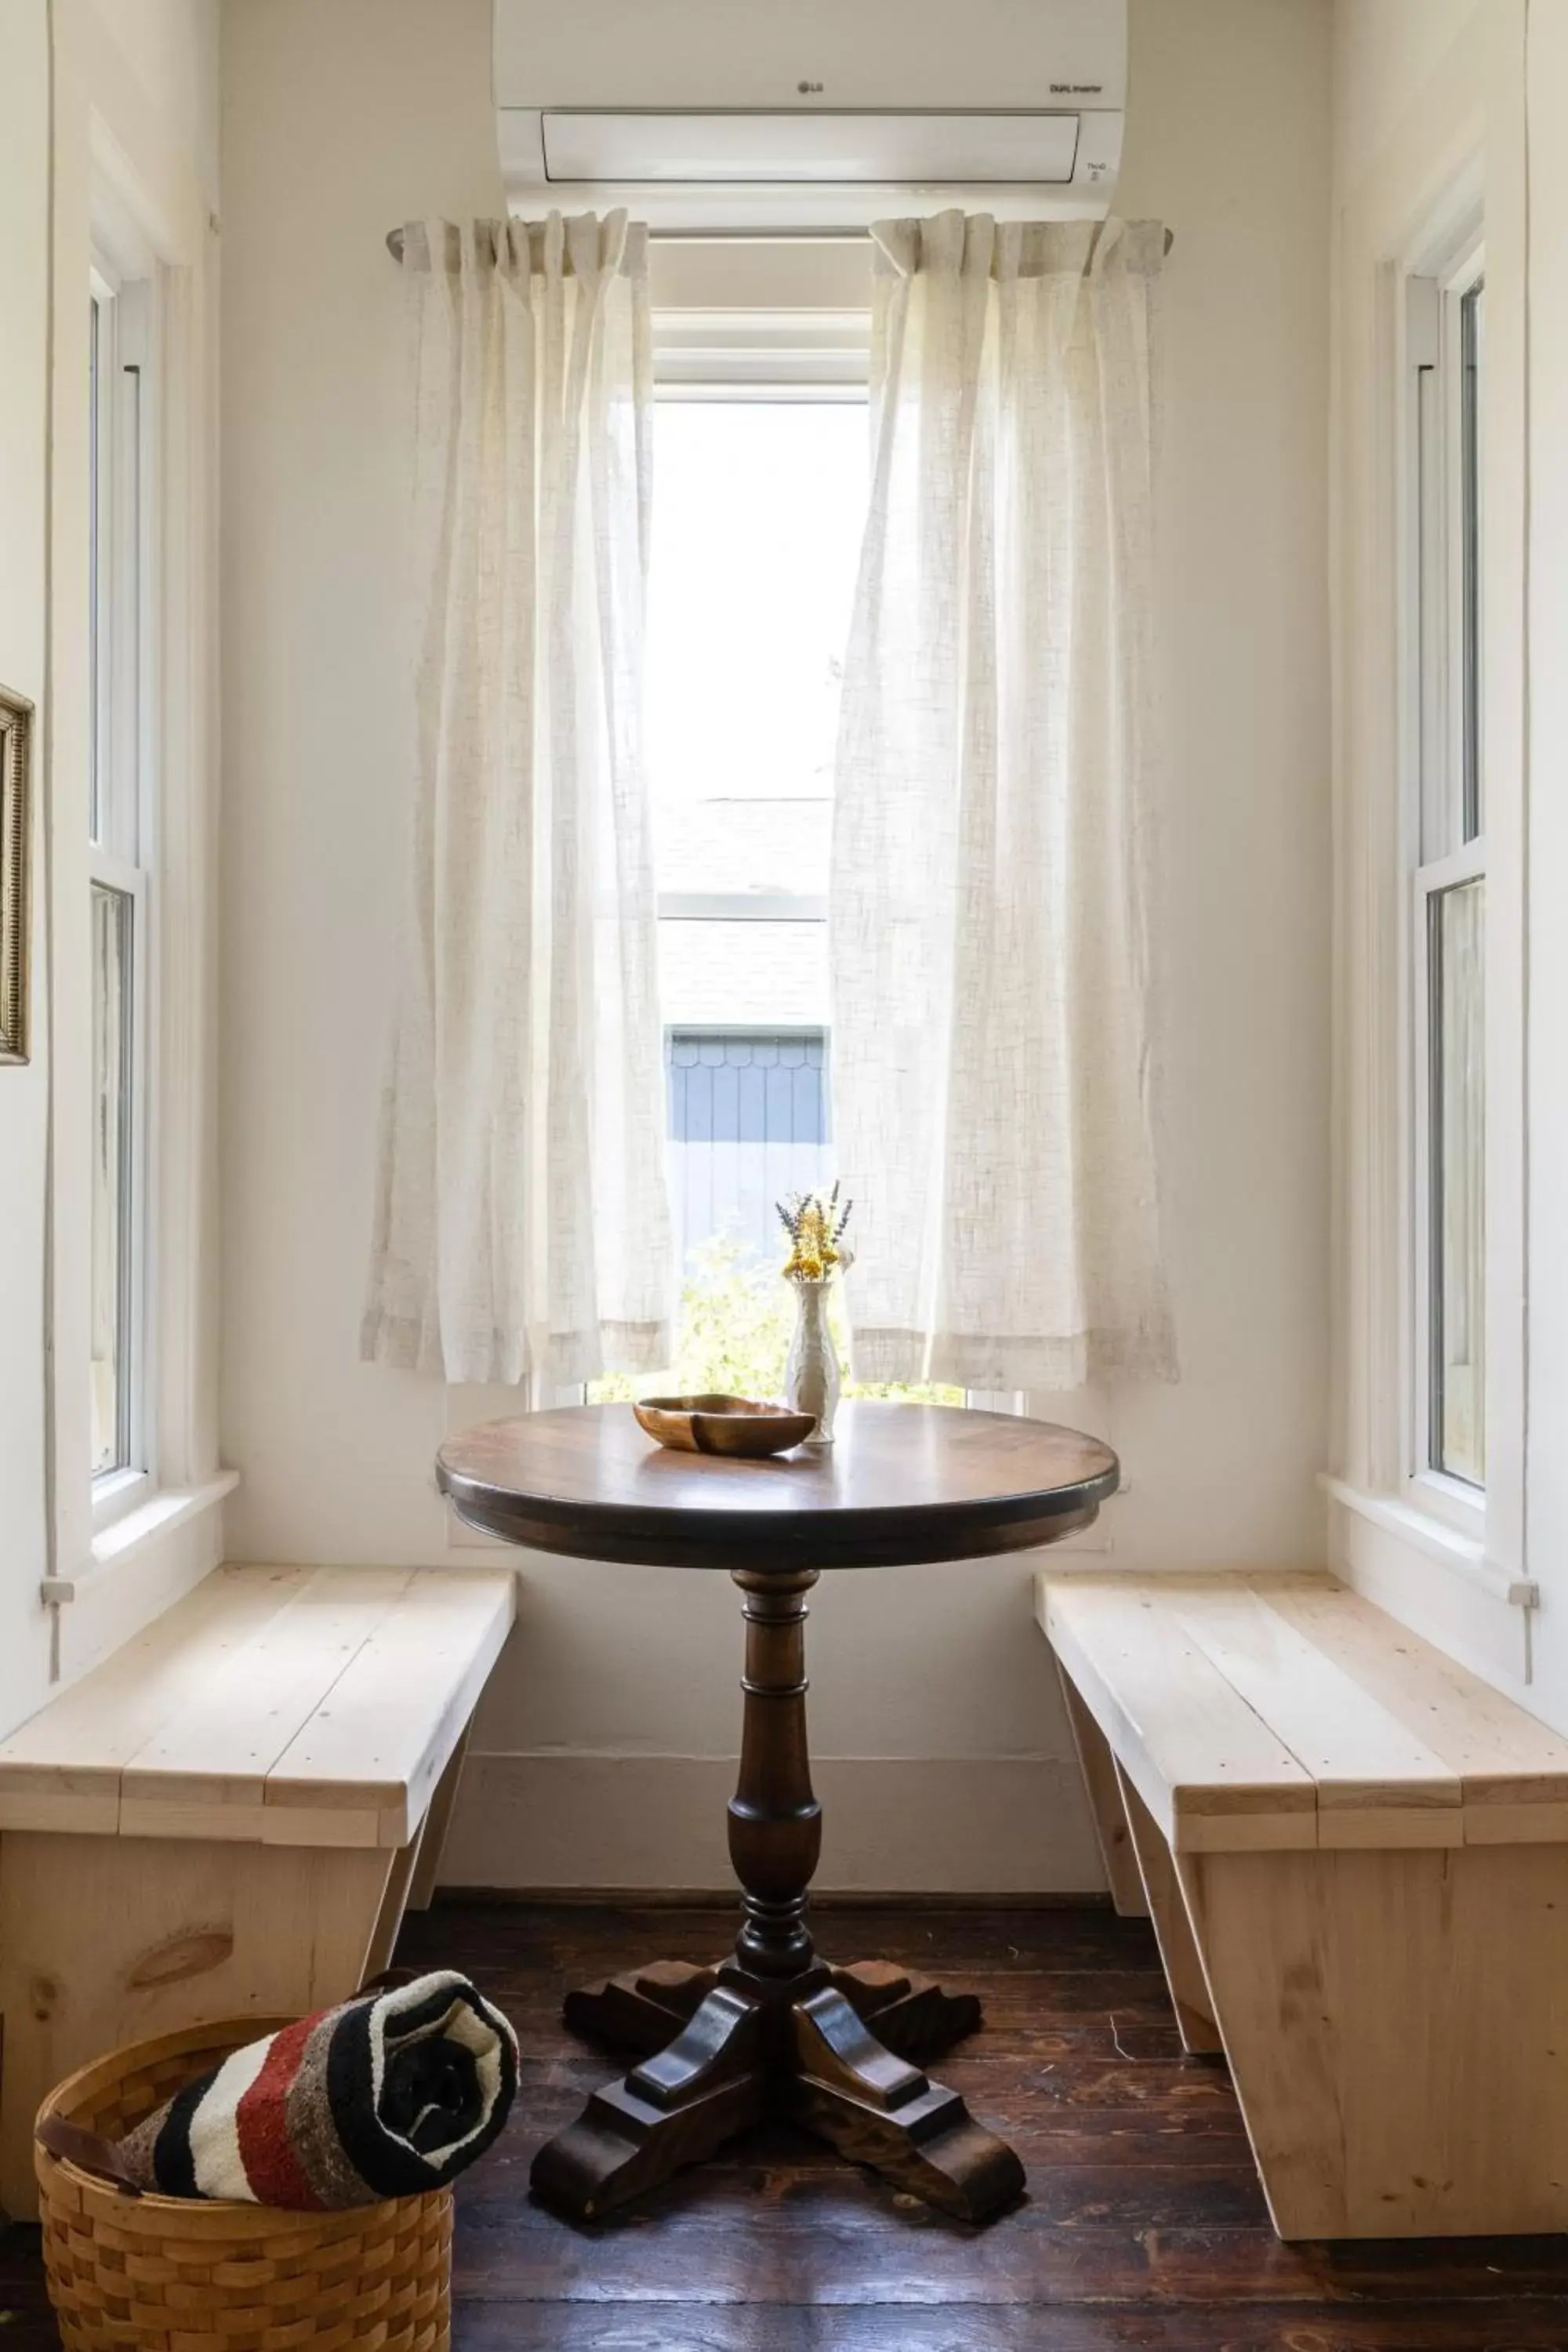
(737, 236)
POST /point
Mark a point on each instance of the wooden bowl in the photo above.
(724, 1425)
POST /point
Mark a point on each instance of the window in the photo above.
(759, 509)
(119, 830)
(1447, 930)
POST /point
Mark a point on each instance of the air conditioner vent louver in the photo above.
(842, 150)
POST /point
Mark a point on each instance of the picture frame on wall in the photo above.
(15, 878)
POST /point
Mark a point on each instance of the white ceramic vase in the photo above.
(811, 1381)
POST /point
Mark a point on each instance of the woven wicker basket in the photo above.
(132, 2273)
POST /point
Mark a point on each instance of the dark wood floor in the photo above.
(1143, 2227)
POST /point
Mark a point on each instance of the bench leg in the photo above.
(1106, 1809)
(1396, 2024)
(395, 1902)
(433, 1830)
(1179, 1954)
(105, 1939)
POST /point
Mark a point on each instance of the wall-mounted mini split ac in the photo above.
(825, 113)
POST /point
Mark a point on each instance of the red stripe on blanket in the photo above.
(271, 2167)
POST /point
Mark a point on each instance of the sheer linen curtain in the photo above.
(521, 1232)
(990, 1032)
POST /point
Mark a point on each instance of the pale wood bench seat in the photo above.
(1354, 1853)
(231, 1813)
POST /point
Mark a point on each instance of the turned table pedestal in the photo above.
(777, 2030)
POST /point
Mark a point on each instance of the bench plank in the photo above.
(1363, 1759)
(394, 1717)
(1399, 1745)
(1505, 1759)
(63, 1768)
(182, 1732)
(204, 1773)
(1211, 1772)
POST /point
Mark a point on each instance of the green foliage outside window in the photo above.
(736, 1315)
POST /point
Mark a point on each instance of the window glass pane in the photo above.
(1472, 320)
(94, 570)
(1457, 937)
(113, 913)
(757, 518)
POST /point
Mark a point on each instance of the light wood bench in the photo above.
(1355, 1856)
(231, 1813)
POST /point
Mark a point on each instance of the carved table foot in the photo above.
(674, 2109)
(878, 2109)
(642, 2010)
(911, 2014)
(841, 2052)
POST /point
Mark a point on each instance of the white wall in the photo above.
(135, 111)
(1547, 756)
(24, 588)
(604, 1745)
(1385, 52)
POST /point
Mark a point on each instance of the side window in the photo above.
(118, 823)
(1446, 343)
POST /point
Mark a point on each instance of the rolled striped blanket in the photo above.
(386, 2095)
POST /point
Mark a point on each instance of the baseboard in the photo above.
(993, 1826)
(723, 1899)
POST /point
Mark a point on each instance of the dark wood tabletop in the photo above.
(901, 1483)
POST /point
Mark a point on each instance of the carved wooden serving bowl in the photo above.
(724, 1425)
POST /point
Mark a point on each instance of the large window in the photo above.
(1447, 930)
(118, 825)
(759, 507)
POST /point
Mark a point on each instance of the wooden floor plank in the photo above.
(1532, 2326)
(1143, 2230)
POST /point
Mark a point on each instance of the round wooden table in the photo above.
(777, 2030)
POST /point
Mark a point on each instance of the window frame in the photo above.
(125, 501)
(1442, 599)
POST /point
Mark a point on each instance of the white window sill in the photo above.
(1462, 1555)
(118, 1494)
(123, 1543)
(1452, 1502)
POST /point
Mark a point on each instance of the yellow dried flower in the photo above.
(816, 1230)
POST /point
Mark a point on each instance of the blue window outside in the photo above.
(747, 1123)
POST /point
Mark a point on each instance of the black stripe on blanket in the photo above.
(172, 2160)
(385, 2164)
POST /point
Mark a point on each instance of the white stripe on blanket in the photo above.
(215, 2127)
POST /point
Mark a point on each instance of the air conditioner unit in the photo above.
(810, 113)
